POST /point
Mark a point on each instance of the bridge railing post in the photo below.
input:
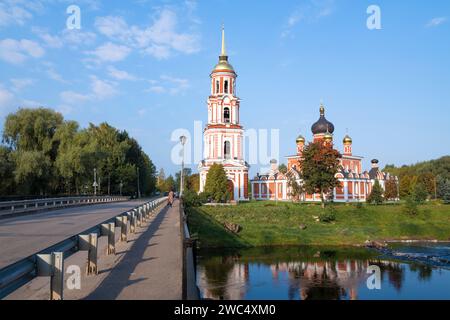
(123, 227)
(52, 265)
(89, 243)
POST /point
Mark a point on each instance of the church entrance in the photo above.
(230, 189)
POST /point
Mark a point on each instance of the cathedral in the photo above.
(223, 136)
(355, 184)
(223, 140)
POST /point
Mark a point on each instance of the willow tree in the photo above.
(319, 165)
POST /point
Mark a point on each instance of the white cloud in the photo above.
(160, 39)
(71, 97)
(99, 90)
(9, 102)
(6, 99)
(168, 84)
(120, 74)
(110, 52)
(19, 84)
(436, 22)
(13, 14)
(309, 12)
(157, 89)
(102, 89)
(17, 51)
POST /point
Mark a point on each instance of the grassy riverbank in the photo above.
(269, 223)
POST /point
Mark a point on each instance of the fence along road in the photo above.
(25, 235)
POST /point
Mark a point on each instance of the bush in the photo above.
(191, 199)
(410, 206)
(328, 215)
(420, 193)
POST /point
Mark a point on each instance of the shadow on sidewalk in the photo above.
(119, 278)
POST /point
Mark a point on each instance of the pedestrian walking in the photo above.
(171, 198)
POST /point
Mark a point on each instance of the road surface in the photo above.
(23, 236)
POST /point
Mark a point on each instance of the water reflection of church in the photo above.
(327, 280)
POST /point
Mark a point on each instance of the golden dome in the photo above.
(328, 137)
(300, 138)
(347, 139)
(223, 65)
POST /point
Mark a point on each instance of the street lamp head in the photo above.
(183, 140)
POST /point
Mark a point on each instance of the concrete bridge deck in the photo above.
(147, 266)
(23, 236)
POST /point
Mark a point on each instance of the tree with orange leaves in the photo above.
(319, 165)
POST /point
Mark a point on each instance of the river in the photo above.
(406, 271)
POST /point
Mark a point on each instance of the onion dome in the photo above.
(322, 125)
(347, 139)
(328, 137)
(223, 64)
(300, 139)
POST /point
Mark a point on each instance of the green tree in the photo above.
(428, 180)
(6, 171)
(410, 206)
(446, 192)
(217, 183)
(405, 186)
(170, 184)
(193, 182)
(47, 155)
(282, 168)
(376, 196)
(295, 188)
(390, 189)
(319, 164)
(161, 180)
(419, 193)
(30, 135)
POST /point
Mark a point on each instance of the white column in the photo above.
(241, 178)
(346, 190)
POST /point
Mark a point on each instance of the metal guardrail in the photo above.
(12, 207)
(190, 290)
(50, 262)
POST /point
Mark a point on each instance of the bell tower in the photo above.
(223, 136)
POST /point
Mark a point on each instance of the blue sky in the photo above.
(144, 66)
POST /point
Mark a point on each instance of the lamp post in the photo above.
(138, 184)
(95, 182)
(183, 142)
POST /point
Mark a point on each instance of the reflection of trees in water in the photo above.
(216, 272)
(393, 270)
(424, 271)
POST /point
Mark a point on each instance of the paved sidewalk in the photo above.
(152, 267)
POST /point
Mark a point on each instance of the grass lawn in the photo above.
(269, 223)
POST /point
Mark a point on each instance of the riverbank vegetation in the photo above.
(44, 154)
(429, 177)
(269, 223)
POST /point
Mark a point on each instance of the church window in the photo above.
(226, 115)
(226, 86)
(217, 86)
(227, 149)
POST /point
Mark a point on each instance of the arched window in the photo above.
(226, 115)
(226, 86)
(227, 149)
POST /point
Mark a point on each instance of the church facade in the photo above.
(355, 184)
(223, 136)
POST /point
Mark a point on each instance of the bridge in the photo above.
(108, 249)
